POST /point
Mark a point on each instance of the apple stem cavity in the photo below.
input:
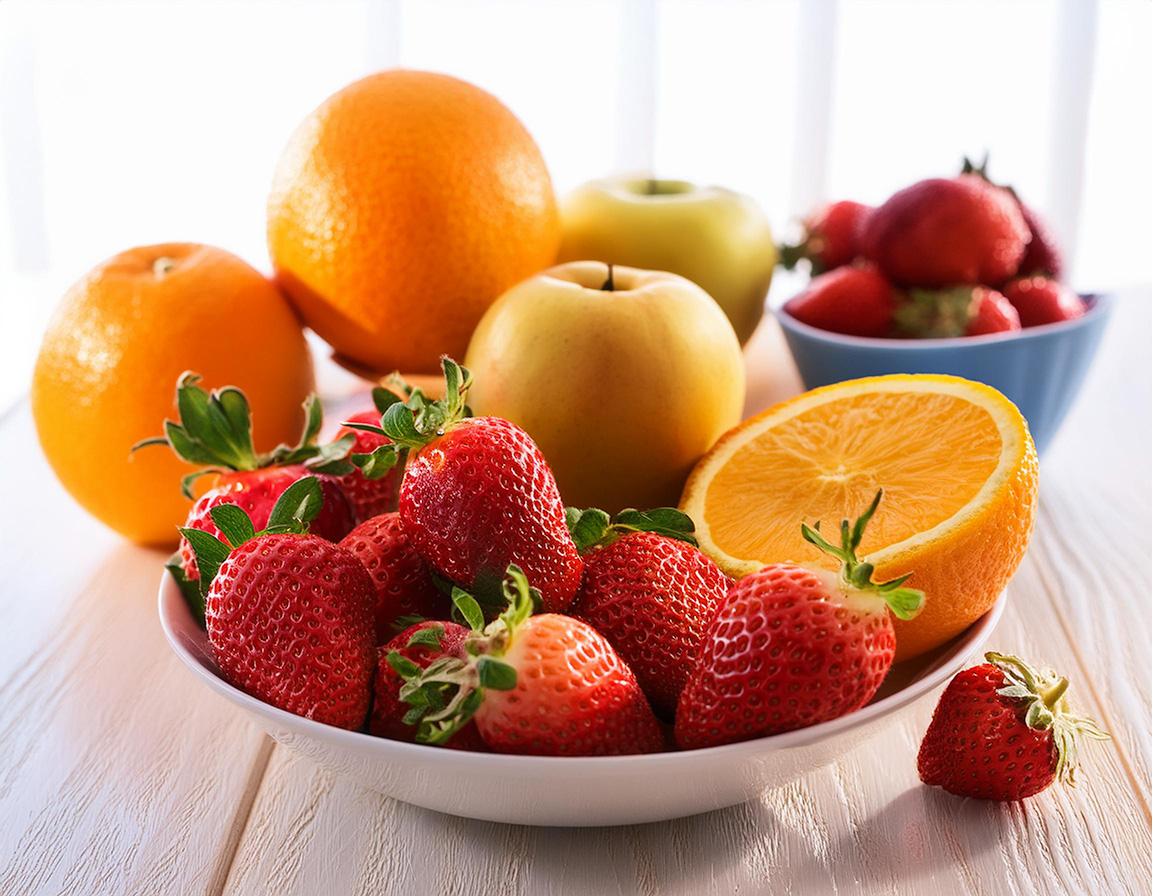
(609, 285)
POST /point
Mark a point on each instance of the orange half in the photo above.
(955, 461)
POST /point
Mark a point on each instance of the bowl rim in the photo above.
(963, 646)
(1099, 304)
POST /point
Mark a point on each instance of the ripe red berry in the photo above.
(652, 597)
(1002, 731)
(1040, 300)
(369, 497)
(403, 583)
(856, 301)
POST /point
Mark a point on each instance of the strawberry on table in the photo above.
(943, 231)
(856, 301)
(288, 614)
(650, 593)
(477, 495)
(1002, 731)
(546, 685)
(419, 644)
(402, 581)
(959, 311)
(214, 432)
(831, 237)
(1041, 300)
(790, 647)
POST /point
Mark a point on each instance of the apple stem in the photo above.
(653, 186)
(609, 285)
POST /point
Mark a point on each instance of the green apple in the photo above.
(715, 237)
(623, 378)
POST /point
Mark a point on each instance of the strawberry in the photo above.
(256, 492)
(1043, 255)
(651, 596)
(1002, 731)
(214, 432)
(477, 495)
(940, 232)
(790, 647)
(857, 301)
(369, 497)
(830, 237)
(1041, 300)
(546, 685)
(420, 644)
(959, 311)
(402, 581)
(288, 614)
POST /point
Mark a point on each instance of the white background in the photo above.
(128, 122)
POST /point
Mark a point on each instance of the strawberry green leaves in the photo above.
(444, 696)
(1043, 694)
(414, 421)
(294, 510)
(215, 432)
(593, 528)
(856, 574)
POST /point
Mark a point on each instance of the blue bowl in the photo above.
(1039, 368)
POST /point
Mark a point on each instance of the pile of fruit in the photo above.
(944, 257)
(419, 575)
(469, 608)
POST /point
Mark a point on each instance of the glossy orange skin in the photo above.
(401, 209)
(107, 370)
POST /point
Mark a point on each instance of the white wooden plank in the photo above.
(118, 773)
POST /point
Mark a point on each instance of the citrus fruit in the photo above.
(107, 371)
(955, 461)
(401, 209)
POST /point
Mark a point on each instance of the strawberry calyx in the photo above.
(1045, 701)
(412, 421)
(937, 314)
(856, 574)
(444, 696)
(593, 528)
(299, 504)
(214, 431)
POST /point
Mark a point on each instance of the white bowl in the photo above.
(599, 790)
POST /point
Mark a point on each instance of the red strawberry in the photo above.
(546, 685)
(1002, 731)
(790, 647)
(939, 232)
(402, 580)
(1043, 255)
(478, 495)
(652, 597)
(830, 237)
(420, 644)
(214, 432)
(993, 314)
(960, 311)
(369, 497)
(1040, 300)
(857, 301)
(289, 615)
(255, 493)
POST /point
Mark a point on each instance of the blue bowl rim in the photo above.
(1099, 304)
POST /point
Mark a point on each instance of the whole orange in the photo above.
(107, 370)
(401, 209)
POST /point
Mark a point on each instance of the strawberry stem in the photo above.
(855, 574)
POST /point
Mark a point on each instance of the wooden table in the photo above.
(120, 774)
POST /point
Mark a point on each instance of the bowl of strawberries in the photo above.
(949, 275)
(473, 646)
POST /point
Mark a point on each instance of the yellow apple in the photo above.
(623, 378)
(716, 238)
